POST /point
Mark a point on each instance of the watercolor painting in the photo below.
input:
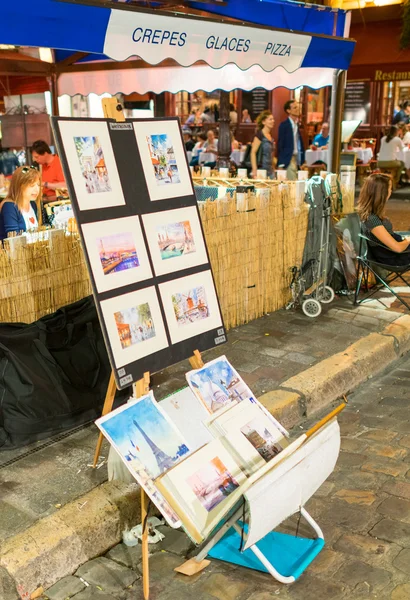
(92, 164)
(161, 151)
(190, 306)
(117, 252)
(212, 483)
(87, 152)
(218, 384)
(134, 325)
(164, 160)
(261, 439)
(175, 239)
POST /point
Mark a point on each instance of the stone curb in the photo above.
(58, 544)
(320, 385)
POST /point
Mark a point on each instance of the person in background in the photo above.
(18, 211)
(211, 144)
(246, 117)
(403, 115)
(188, 141)
(291, 152)
(51, 171)
(192, 118)
(371, 208)
(264, 140)
(198, 148)
(406, 137)
(207, 116)
(321, 140)
(390, 146)
(233, 115)
(8, 162)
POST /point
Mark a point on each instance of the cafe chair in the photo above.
(374, 276)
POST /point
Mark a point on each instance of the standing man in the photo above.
(51, 171)
(291, 152)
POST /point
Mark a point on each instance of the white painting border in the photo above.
(168, 513)
(143, 129)
(86, 201)
(177, 332)
(125, 356)
(170, 265)
(93, 231)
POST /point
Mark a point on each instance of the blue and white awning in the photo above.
(124, 32)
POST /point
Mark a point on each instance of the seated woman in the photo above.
(197, 149)
(18, 211)
(390, 148)
(371, 207)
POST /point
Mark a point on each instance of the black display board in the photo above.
(357, 101)
(256, 101)
(133, 198)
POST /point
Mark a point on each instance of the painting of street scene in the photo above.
(212, 484)
(117, 252)
(134, 325)
(190, 306)
(161, 151)
(175, 239)
(218, 384)
(261, 439)
(92, 164)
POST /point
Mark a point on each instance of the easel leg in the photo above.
(145, 564)
(108, 402)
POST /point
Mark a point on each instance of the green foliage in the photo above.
(405, 32)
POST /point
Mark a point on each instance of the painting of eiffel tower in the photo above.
(164, 461)
(156, 443)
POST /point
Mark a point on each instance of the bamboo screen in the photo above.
(38, 278)
(252, 244)
(253, 241)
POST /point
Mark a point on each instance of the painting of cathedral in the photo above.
(218, 384)
(144, 436)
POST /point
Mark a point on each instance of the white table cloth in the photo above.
(404, 155)
(206, 157)
(237, 156)
(363, 154)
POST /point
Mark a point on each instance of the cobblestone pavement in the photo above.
(363, 509)
(37, 480)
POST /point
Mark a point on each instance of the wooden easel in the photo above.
(141, 387)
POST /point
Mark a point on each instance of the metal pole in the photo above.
(338, 90)
(54, 94)
(224, 138)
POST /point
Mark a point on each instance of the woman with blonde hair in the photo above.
(385, 245)
(263, 144)
(18, 211)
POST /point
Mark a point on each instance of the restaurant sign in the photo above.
(392, 75)
(155, 38)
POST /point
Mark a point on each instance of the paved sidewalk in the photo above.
(363, 509)
(38, 480)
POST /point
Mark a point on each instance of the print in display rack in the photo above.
(218, 471)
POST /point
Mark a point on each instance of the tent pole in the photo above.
(54, 94)
(224, 139)
(338, 90)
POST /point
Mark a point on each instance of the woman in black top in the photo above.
(263, 140)
(371, 208)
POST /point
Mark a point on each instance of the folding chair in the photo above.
(383, 274)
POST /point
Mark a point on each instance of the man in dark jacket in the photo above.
(291, 152)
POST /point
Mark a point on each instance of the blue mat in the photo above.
(289, 555)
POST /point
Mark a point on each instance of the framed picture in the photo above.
(203, 488)
(92, 164)
(175, 239)
(218, 384)
(116, 252)
(190, 306)
(163, 159)
(148, 443)
(134, 325)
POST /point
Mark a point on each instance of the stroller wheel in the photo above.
(327, 295)
(311, 307)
